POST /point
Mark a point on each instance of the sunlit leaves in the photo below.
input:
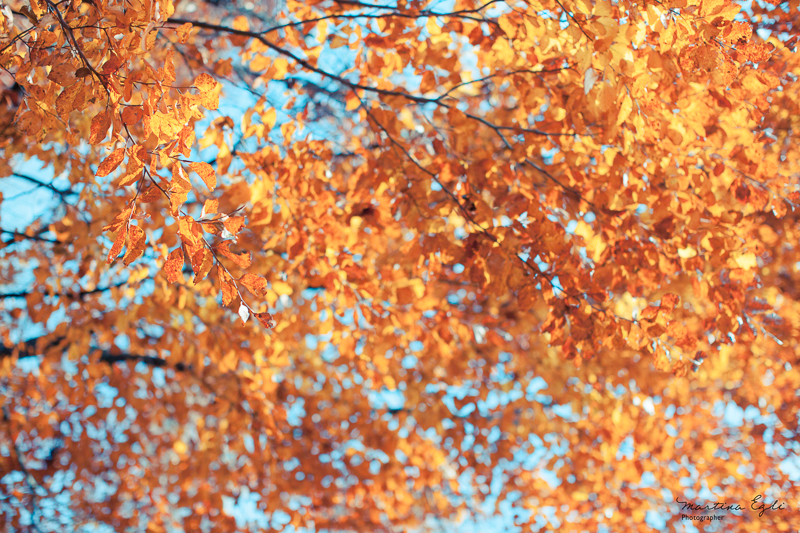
(465, 239)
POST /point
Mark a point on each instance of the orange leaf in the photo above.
(649, 313)
(209, 100)
(191, 232)
(255, 284)
(66, 98)
(226, 286)
(131, 177)
(206, 173)
(179, 189)
(119, 242)
(100, 124)
(152, 194)
(132, 115)
(669, 301)
(210, 207)
(202, 261)
(266, 319)
(110, 163)
(174, 265)
(242, 260)
(136, 245)
(233, 224)
(119, 220)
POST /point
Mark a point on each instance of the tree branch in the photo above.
(50, 186)
(69, 295)
(26, 236)
(27, 349)
(353, 85)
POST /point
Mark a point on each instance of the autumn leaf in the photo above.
(206, 173)
(207, 86)
(132, 115)
(183, 32)
(242, 259)
(205, 83)
(119, 242)
(649, 313)
(173, 265)
(669, 301)
(100, 124)
(136, 245)
(202, 261)
(133, 175)
(266, 319)
(227, 288)
(110, 163)
(255, 284)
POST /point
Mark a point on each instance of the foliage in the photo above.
(390, 264)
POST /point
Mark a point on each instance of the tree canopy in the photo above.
(366, 266)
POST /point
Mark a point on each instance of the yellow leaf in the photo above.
(747, 261)
(133, 175)
(183, 32)
(507, 26)
(281, 287)
(352, 102)
(241, 23)
(204, 83)
(268, 118)
(625, 109)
